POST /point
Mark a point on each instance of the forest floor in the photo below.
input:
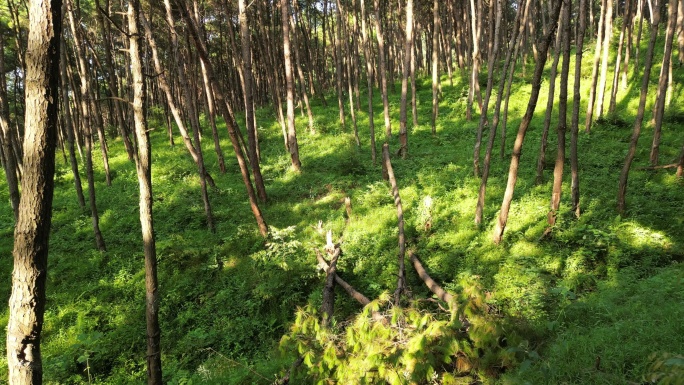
(598, 302)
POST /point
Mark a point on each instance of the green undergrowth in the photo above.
(601, 288)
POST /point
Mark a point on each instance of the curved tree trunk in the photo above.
(32, 231)
(401, 274)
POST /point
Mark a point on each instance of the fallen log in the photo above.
(429, 282)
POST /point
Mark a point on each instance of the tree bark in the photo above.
(383, 72)
(436, 30)
(32, 231)
(663, 82)
(289, 87)
(595, 69)
(624, 174)
(144, 171)
(87, 128)
(541, 159)
(228, 117)
(562, 117)
(524, 124)
(408, 47)
(491, 64)
(401, 274)
(187, 97)
(616, 70)
(574, 129)
(369, 79)
(509, 62)
(8, 160)
(607, 37)
(252, 152)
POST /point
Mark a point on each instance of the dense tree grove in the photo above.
(98, 78)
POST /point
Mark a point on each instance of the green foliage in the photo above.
(395, 345)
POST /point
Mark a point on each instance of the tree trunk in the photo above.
(32, 231)
(401, 274)
(339, 65)
(524, 124)
(491, 64)
(663, 81)
(509, 81)
(144, 171)
(249, 102)
(541, 159)
(680, 28)
(8, 160)
(436, 30)
(607, 37)
(475, 70)
(383, 71)
(228, 117)
(68, 124)
(369, 78)
(562, 117)
(408, 46)
(87, 128)
(574, 130)
(594, 74)
(188, 97)
(624, 174)
(616, 71)
(509, 62)
(289, 87)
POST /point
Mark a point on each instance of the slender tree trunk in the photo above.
(211, 109)
(663, 81)
(8, 160)
(509, 62)
(624, 174)
(491, 64)
(680, 29)
(628, 46)
(475, 70)
(369, 78)
(401, 274)
(87, 129)
(574, 130)
(562, 117)
(509, 81)
(595, 69)
(228, 117)
(187, 97)
(616, 71)
(541, 159)
(300, 72)
(524, 124)
(408, 46)
(383, 72)
(607, 37)
(32, 230)
(339, 65)
(68, 125)
(436, 30)
(347, 65)
(640, 16)
(289, 86)
(249, 102)
(144, 171)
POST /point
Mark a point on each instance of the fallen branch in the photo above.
(360, 298)
(671, 165)
(429, 282)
